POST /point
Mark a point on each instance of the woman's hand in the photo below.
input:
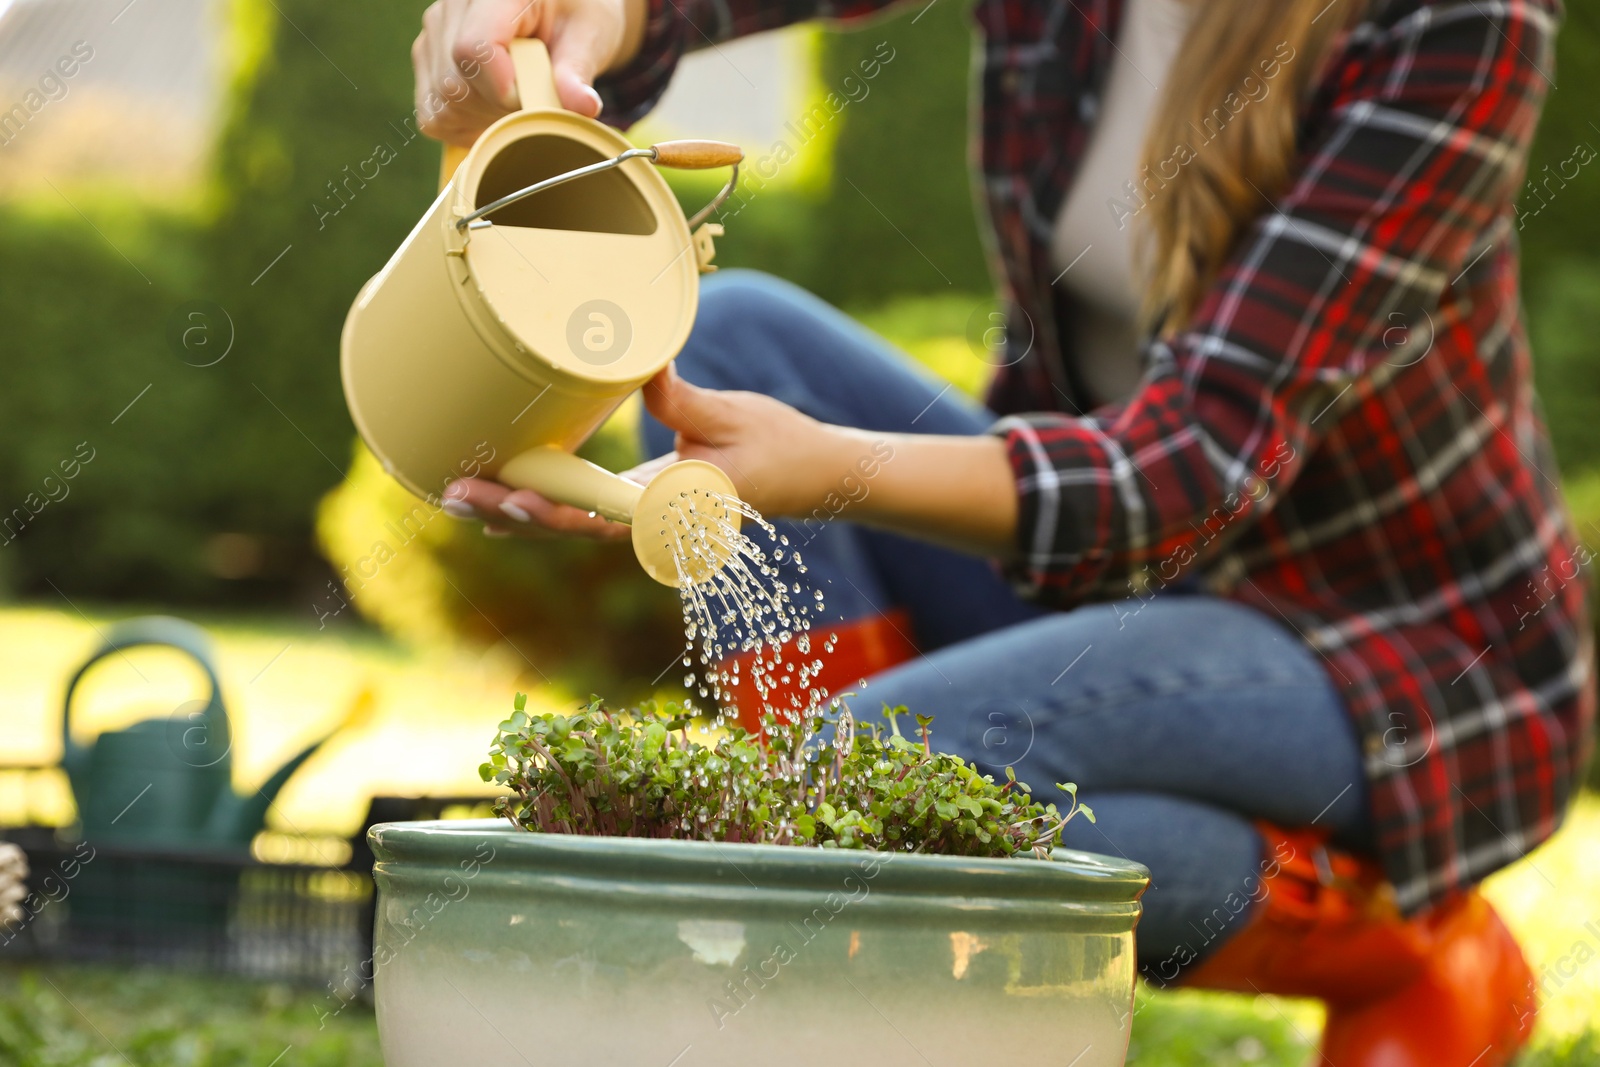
(781, 462)
(465, 79)
(958, 491)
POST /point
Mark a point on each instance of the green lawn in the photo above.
(98, 1017)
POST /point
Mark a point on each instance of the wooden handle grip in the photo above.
(697, 155)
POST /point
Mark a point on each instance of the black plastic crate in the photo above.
(224, 911)
(214, 911)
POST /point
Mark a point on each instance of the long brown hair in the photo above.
(1221, 147)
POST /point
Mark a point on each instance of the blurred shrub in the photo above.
(574, 610)
(1559, 231)
(322, 97)
(900, 216)
(1562, 226)
(84, 339)
(204, 488)
(883, 205)
(1561, 298)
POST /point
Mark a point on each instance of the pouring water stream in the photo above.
(745, 606)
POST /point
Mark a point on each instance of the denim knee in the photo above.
(736, 308)
(742, 339)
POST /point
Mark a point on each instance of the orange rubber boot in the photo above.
(1445, 988)
(864, 647)
(1473, 1003)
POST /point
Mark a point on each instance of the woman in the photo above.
(1265, 425)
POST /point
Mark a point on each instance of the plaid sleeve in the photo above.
(674, 27)
(1422, 148)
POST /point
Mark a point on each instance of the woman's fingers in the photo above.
(524, 513)
(701, 415)
(480, 45)
(466, 79)
(644, 472)
(577, 93)
(579, 52)
(561, 518)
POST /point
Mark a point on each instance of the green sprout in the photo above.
(599, 772)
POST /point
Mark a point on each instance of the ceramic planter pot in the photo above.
(495, 945)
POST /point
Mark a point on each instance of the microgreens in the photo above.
(638, 773)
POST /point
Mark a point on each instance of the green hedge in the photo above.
(889, 212)
(91, 493)
(1559, 232)
(901, 216)
(245, 447)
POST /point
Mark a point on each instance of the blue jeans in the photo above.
(1182, 718)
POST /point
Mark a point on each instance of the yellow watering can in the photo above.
(554, 275)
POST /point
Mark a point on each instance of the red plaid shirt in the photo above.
(1346, 437)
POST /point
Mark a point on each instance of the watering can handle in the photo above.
(158, 630)
(536, 90)
(536, 81)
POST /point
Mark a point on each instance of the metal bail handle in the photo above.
(536, 90)
(682, 155)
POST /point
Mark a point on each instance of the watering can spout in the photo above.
(689, 500)
(237, 817)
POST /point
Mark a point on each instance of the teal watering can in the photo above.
(168, 782)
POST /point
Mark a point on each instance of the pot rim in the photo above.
(1079, 880)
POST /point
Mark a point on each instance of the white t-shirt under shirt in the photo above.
(1093, 232)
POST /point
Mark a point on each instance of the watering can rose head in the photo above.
(640, 774)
